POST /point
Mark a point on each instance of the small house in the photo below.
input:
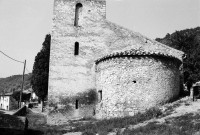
(7, 102)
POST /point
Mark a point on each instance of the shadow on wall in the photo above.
(86, 111)
(79, 106)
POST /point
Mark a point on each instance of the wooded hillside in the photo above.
(14, 83)
(188, 41)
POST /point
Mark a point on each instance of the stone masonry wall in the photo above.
(71, 74)
(133, 84)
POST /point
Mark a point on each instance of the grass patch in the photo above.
(184, 125)
(170, 108)
(105, 126)
(155, 129)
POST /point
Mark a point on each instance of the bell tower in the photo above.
(79, 13)
(76, 42)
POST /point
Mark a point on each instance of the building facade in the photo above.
(80, 36)
(7, 102)
(133, 81)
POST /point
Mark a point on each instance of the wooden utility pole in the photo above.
(20, 101)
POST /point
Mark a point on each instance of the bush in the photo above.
(30, 105)
(153, 112)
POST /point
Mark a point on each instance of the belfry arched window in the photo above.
(77, 12)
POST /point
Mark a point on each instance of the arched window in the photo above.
(77, 11)
(76, 48)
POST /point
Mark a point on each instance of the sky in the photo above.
(24, 24)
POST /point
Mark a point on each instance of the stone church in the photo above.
(128, 71)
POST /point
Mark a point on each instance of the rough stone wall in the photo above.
(71, 74)
(133, 84)
(97, 37)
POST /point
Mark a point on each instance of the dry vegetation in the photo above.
(178, 118)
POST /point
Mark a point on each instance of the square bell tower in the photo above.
(76, 42)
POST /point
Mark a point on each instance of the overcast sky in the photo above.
(24, 24)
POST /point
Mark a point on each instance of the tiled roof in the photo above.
(135, 52)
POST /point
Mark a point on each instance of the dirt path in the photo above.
(7, 112)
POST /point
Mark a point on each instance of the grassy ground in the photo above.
(188, 124)
(178, 118)
(92, 126)
(105, 126)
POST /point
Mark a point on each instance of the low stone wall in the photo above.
(35, 119)
(128, 85)
(13, 125)
(21, 112)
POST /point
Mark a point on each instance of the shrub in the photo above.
(153, 112)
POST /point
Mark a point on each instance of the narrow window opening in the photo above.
(7, 107)
(100, 95)
(94, 111)
(76, 48)
(76, 104)
(77, 12)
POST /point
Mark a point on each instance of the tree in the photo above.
(40, 73)
(25, 97)
(187, 41)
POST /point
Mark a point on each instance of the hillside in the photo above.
(182, 40)
(14, 83)
(188, 41)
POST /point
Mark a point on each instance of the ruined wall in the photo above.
(133, 84)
